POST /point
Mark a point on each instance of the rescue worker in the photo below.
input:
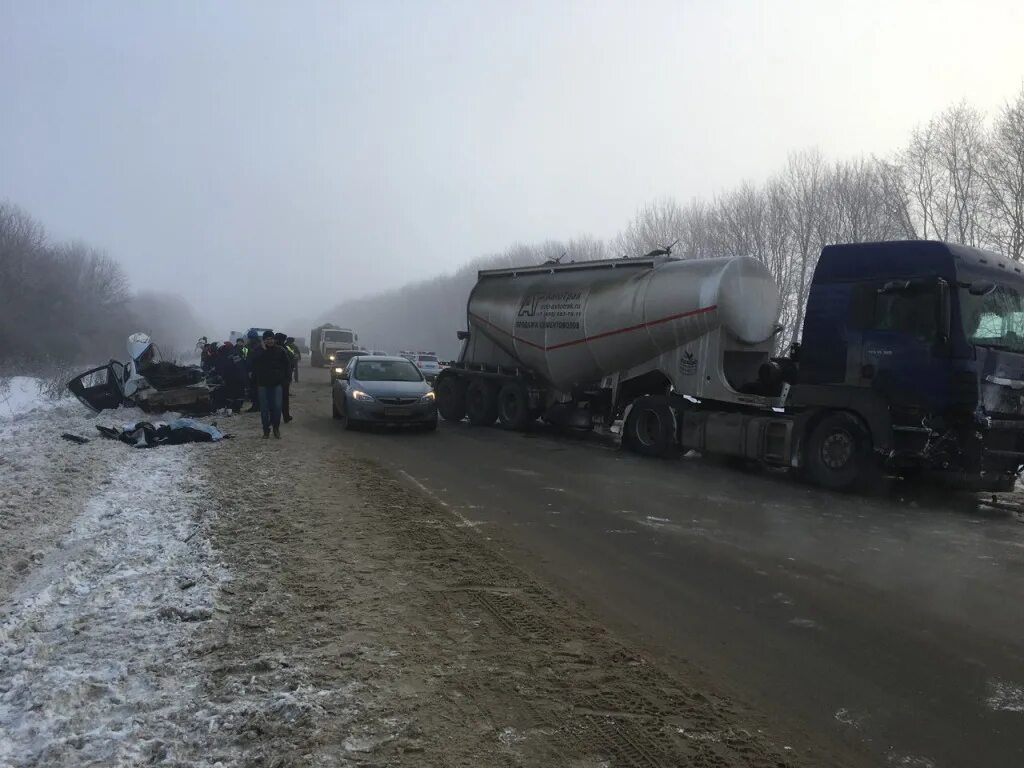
(271, 370)
(282, 341)
(296, 353)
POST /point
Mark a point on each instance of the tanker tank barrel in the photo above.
(580, 322)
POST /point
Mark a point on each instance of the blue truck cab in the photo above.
(912, 356)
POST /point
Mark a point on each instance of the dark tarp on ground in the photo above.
(146, 435)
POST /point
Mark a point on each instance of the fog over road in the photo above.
(884, 629)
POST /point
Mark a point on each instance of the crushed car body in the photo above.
(146, 381)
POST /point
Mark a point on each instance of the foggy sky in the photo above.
(269, 159)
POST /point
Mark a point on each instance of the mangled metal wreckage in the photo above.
(146, 381)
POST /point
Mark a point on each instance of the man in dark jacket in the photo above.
(270, 370)
(282, 342)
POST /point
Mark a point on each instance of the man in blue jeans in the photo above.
(271, 368)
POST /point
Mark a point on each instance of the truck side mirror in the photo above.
(981, 288)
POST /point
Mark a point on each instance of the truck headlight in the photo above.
(331, 358)
(427, 398)
(358, 394)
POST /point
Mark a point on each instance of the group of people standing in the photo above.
(259, 369)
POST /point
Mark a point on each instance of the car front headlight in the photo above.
(427, 398)
(339, 370)
(358, 394)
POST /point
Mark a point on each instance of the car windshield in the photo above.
(994, 320)
(386, 370)
(338, 337)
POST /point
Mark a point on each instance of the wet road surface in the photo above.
(885, 630)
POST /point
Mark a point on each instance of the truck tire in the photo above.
(650, 428)
(513, 406)
(451, 398)
(481, 403)
(838, 451)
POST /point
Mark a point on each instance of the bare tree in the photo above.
(1003, 178)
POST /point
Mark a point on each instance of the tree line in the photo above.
(70, 303)
(959, 178)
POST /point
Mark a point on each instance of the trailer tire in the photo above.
(650, 428)
(481, 403)
(451, 398)
(838, 451)
(513, 406)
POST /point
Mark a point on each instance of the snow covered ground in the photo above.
(112, 615)
(91, 667)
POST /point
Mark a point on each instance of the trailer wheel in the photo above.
(451, 398)
(650, 429)
(481, 403)
(513, 406)
(837, 451)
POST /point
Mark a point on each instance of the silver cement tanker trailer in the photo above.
(589, 343)
(910, 360)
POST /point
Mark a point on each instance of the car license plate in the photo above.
(396, 411)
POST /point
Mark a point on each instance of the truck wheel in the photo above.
(481, 403)
(451, 398)
(513, 406)
(650, 429)
(838, 451)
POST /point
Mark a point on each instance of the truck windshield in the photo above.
(994, 320)
(338, 337)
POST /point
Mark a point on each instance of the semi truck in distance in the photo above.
(327, 341)
(910, 362)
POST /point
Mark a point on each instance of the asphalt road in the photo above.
(880, 630)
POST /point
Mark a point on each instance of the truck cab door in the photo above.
(905, 350)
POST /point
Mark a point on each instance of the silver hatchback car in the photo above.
(375, 389)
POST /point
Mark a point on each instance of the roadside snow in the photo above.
(21, 395)
(93, 668)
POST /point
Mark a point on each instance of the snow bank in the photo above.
(22, 395)
(92, 645)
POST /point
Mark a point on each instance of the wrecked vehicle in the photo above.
(146, 381)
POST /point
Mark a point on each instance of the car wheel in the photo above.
(451, 398)
(481, 402)
(837, 451)
(513, 405)
(650, 428)
(430, 426)
(334, 409)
